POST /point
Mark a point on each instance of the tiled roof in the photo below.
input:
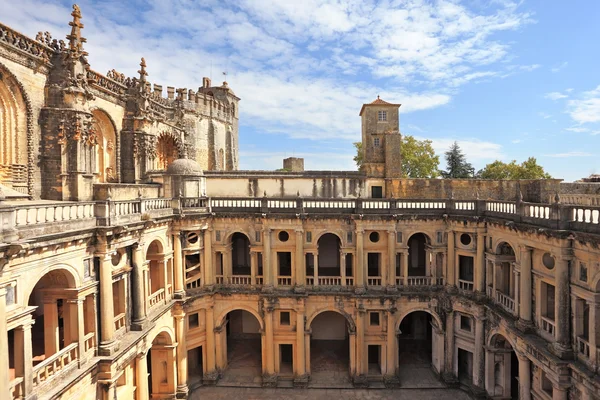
(377, 102)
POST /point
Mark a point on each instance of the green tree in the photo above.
(528, 169)
(457, 165)
(418, 158)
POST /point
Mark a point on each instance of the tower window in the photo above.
(382, 115)
(376, 142)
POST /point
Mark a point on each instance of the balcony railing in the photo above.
(240, 280)
(284, 281)
(349, 281)
(506, 302)
(61, 212)
(194, 282)
(583, 347)
(374, 281)
(54, 364)
(465, 285)
(259, 280)
(119, 321)
(548, 326)
(310, 280)
(16, 388)
(219, 279)
(157, 297)
(424, 281)
(330, 280)
(89, 342)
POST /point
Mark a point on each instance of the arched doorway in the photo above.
(502, 369)
(159, 275)
(240, 255)
(420, 350)
(328, 265)
(501, 278)
(161, 367)
(58, 336)
(106, 154)
(417, 255)
(330, 350)
(13, 134)
(166, 151)
(241, 343)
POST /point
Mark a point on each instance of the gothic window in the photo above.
(13, 134)
(382, 115)
(376, 142)
(106, 153)
(166, 151)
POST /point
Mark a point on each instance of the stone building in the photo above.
(138, 263)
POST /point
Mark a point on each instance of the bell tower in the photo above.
(381, 139)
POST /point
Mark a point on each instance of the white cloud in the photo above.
(586, 108)
(555, 96)
(515, 141)
(570, 154)
(577, 129)
(559, 67)
(544, 115)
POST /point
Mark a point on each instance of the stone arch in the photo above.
(229, 235)
(164, 330)
(498, 241)
(108, 145)
(161, 243)
(495, 333)
(325, 232)
(242, 307)
(504, 248)
(351, 324)
(428, 236)
(434, 315)
(16, 134)
(70, 274)
(169, 148)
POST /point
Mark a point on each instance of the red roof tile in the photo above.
(377, 102)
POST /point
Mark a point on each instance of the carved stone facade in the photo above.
(156, 280)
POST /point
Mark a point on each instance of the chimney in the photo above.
(293, 164)
(157, 90)
(170, 92)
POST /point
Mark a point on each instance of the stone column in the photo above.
(451, 261)
(525, 295)
(300, 270)
(360, 259)
(178, 267)
(76, 324)
(479, 355)
(392, 353)
(517, 292)
(343, 268)
(360, 344)
(138, 299)
(316, 267)
(480, 264)
(253, 267)
(23, 361)
(267, 267)
(182, 372)
(391, 277)
(592, 332)
(227, 264)
(562, 307)
(269, 341)
(405, 266)
(300, 377)
(211, 370)
(107, 345)
(141, 370)
(51, 326)
(4, 366)
(209, 268)
(449, 374)
(524, 378)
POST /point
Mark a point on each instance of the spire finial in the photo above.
(142, 71)
(377, 97)
(76, 41)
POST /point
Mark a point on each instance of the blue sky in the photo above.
(506, 79)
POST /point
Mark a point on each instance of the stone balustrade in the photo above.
(157, 297)
(119, 321)
(505, 301)
(55, 364)
(548, 326)
(583, 347)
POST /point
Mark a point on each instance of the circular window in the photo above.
(548, 261)
(116, 258)
(465, 239)
(192, 238)
(374, 237)
(283, 236)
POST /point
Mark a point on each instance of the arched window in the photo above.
(166, 150)
(106, 156)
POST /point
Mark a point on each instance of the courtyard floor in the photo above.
(229, 393)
